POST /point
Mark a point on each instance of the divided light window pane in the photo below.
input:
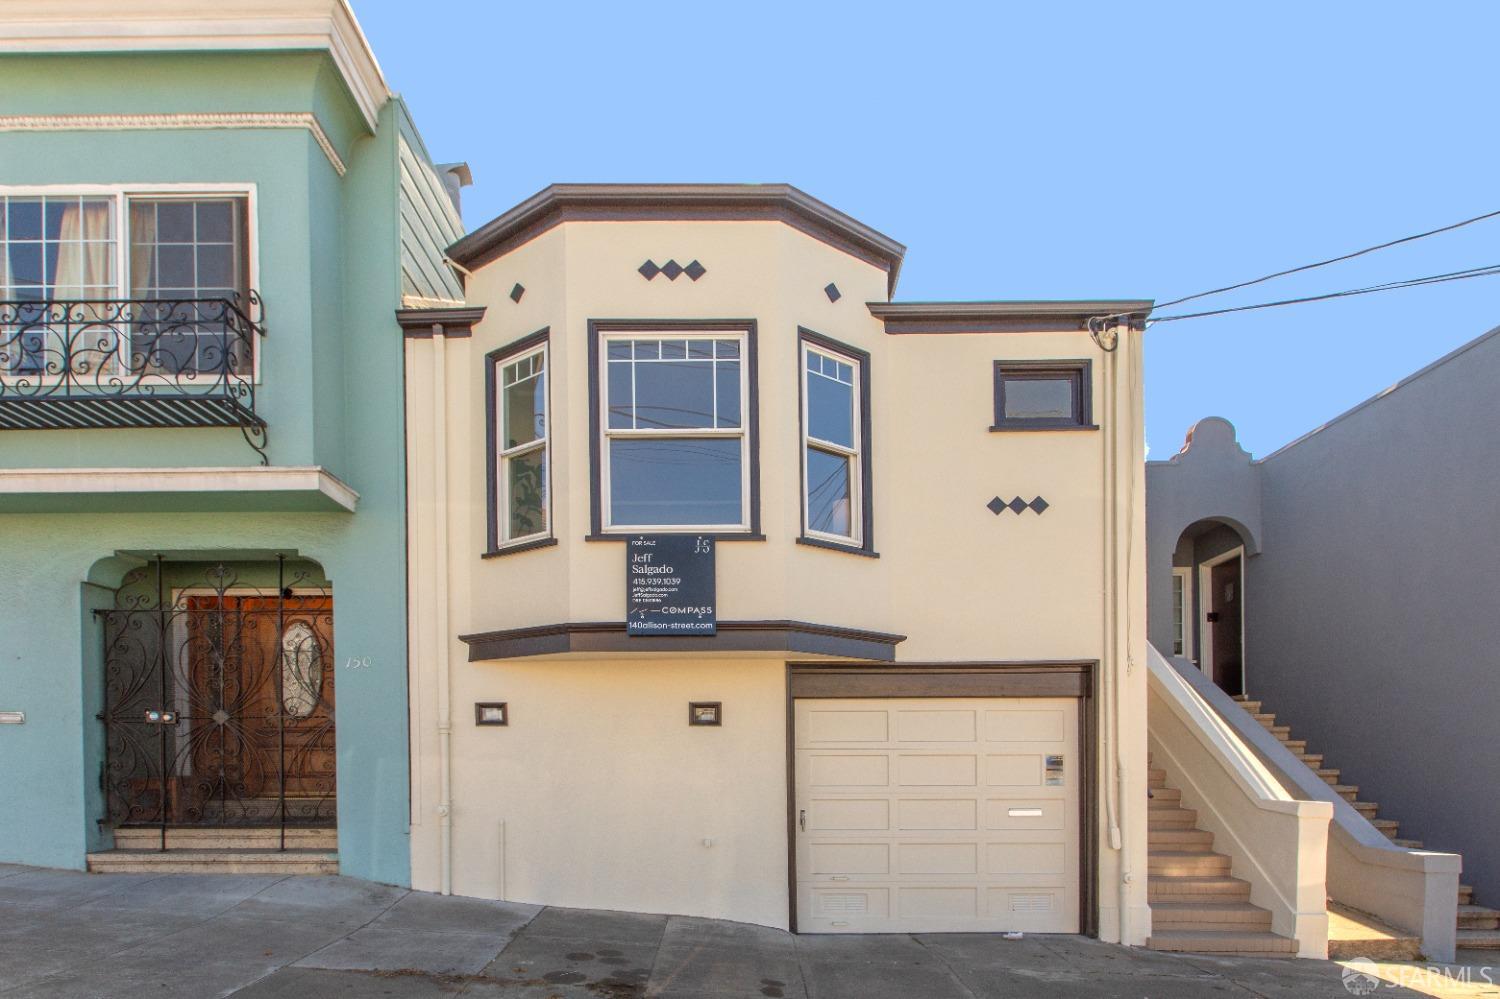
(830, 399)
(523, 446)
(525, 401)
(673, 384)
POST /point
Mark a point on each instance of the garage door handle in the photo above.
(802, 820)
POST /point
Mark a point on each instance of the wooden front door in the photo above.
(1225, 605)
(259, 717)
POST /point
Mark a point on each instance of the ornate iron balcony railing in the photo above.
(69, 365)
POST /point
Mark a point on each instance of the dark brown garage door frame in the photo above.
(1063, 678)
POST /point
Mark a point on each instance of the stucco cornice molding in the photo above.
(678, 203)
(1002, 317)
(228, 479)
(60, 26)
(187, 120)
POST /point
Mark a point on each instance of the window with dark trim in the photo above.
(674, 424)
(834, 452)
(1043, 395)
(519, 445)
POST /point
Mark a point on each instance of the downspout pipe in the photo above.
(440, 595)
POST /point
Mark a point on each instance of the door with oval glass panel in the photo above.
(259, 715)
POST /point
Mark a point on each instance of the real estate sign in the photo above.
(670, 585)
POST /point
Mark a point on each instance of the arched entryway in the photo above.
(1208, 599)
(218, 705)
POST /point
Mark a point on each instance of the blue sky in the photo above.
(1034, 151)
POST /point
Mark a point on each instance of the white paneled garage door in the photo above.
(934, 814)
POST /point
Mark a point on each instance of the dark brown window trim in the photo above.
(1018, 679)
(1053, 428)
(866, 451)
(834, 546)
(516, 549)
(596, 327)
(492, 362)
(601, 637)
(1080, 369)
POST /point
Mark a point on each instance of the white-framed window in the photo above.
(674, 445)
(833, 474)
(1182, 609)
(89, 246)
(522, 441)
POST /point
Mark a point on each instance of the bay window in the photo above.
(836, 481)
(674, 429)
(519, 433)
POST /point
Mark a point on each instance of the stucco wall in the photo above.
(962, 583)
(1371, 614)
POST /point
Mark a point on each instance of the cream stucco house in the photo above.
(912, 695)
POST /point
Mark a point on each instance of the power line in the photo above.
(1330, 260)
(1473, 272)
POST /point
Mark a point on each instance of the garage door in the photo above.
(937, 814)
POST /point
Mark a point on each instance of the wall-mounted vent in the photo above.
(845, 904)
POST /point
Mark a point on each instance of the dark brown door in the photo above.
(1225, 614)
(260, 707)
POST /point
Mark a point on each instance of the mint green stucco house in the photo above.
(208, 221)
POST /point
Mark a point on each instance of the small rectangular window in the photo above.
(1042, 395)
(835, 447)
(520, 458)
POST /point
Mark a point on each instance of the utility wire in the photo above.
(1474, 272)
(1330, 260)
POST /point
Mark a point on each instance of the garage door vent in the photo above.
(845, 903)
(1030, 902)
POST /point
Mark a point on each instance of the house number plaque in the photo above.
(670, 585)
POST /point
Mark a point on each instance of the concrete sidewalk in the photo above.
(66, 934)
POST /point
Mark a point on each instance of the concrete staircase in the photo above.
(196, 850)
(1196, 906)
(1478, 926)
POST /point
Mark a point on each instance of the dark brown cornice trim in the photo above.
(678, 202)
(451, 321)
(1003, 317)
(733, 636)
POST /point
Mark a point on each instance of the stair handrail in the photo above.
(1414, 890)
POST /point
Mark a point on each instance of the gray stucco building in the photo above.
(1357, 570)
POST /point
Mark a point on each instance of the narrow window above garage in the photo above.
(835, 431)
(1042, 395)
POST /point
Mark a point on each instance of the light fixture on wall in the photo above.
(491, 713)
(706, 713)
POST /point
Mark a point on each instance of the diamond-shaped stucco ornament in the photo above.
(995, 505)
(1039, 504)
(1017, 505)
(649, 270)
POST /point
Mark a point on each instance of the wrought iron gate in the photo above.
(218, 701)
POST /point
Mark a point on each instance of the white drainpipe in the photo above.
(440, 595)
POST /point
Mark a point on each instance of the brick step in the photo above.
(1264, 717)
(1388, 826)
(1330, 775)
(214, 862)
(1282, 732)
(1465, 894)
(1168, 916)
(1264, 944)
(1479, 939)
(198, 838)
(1178, 838)
(1186, 863)
(1298, 746)
(1247, 704)
(1369, 809)
(1478, 917)
(1215, 888)
(1174, 818)
(1314, 760)
(1349, 792)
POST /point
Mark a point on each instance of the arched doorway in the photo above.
(1209, 602)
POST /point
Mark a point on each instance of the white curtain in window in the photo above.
(84, 272)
